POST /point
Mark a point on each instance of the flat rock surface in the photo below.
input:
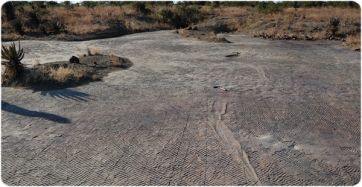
(290, 115)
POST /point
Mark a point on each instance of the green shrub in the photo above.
(139, 6)
(89, 4)
(43, 29)
(34, 16)
(214, 5)
(20, 9)
(268, 8)
(52, 4)
(165, 16)
(17, 25)
(187, 15)
(183, 17)
(54, 26)
(334, 23)
(13, 66)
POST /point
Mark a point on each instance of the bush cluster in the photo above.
(182, 17)
(268, 8)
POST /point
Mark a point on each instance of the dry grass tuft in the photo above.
(11, 36)
(80, 73)
(235, 24)
(135, 25)
(61, 74)
(115, 61)
(94, 51)
(354, 40)
(37, 61)
(184, 32)
(96, 78)
(232, 11)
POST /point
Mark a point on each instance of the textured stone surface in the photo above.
(291, 116)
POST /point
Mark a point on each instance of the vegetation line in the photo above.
(286, 20)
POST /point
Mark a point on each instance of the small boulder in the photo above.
(194, 28)
(74, 59)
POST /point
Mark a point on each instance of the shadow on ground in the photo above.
(67, 94)
(5, 106)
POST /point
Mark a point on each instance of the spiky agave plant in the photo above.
(334, 23)
(12, 61)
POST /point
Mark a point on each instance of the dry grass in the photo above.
(184, 32)
(61, 74)
(80, 20)
(11, 36)
(136, 25)
(37, 61)
(82, 72)
(235, 24)
(96, 78)
(114, 60)
(232, 11)
(95, 51)
(85, 29)
(354, 41)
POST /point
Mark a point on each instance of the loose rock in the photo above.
(74, 59)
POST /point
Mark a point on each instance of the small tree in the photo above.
(165, 16)
(13, 66)
(9, 10)
(89, 4)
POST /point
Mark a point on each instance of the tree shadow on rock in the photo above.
(5, 106)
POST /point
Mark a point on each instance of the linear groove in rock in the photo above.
(228, 140)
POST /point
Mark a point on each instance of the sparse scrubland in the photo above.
(284, 20)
